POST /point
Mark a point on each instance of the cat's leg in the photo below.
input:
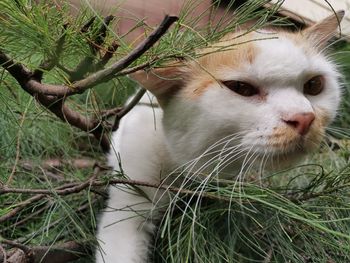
(125, 228)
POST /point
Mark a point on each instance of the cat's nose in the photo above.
(301, 122)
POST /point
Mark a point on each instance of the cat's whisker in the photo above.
(250, 164)
(244, 163)
(239, 182)
(185, 174)
(190, 164)
(267, 159)
(201, 187)
(209, 151)
(229, 158)
(262, 165)
(215, 158)
(237, 149)
(197, 192)
(221, 152)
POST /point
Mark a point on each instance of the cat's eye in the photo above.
(314, 86)
(241, 88)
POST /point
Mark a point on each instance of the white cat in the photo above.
(273, 97)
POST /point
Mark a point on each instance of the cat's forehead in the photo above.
(263, 55)
(282, 57)
(265, 59)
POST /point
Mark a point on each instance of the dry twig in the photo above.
(65, 252)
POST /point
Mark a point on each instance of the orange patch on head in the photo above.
(232, 52)
(196, 88)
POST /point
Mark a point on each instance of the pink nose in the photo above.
(301, 122)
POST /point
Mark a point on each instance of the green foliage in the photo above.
(276, 218)
(300, 215)
(342, 57)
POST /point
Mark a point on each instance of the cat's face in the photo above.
(271, 95)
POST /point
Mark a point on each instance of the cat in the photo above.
(273, 97)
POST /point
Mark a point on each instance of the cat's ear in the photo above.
(321, 32)
(161, 82)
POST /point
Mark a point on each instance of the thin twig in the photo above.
(78, 187)
(20, 206)
(80, 209)
(56, 106)
(4, 255)
(27, 218)
(107, 56)
(63, 190)
(11, 243)
(87, 25)
(136, 68)
(128, 108)
(65, 252)
(108, 73)
(268, 257)
(87, 64)
(18, 148)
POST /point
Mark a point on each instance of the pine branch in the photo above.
(53, 96)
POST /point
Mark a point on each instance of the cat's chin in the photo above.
(276, 157)
(286, 158)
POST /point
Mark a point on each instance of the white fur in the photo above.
(125, 226)
(150, 148)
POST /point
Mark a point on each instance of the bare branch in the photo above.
(18, 71)
(17, 256)
(20, 206)
(56, 106)
(108, 73)
(3, 254)
(110, 112)
(52, 96)
(102, 32)
(128, 108)
(88, 24)
(107, 56)
(18, 147)
(78, 187)
(87, 64)
(27, 218)
(65, 252)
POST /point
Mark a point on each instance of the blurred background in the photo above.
(129, 12)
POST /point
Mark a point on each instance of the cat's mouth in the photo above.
(285, 142)
(288, 141)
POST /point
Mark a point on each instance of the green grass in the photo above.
(254, 222)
